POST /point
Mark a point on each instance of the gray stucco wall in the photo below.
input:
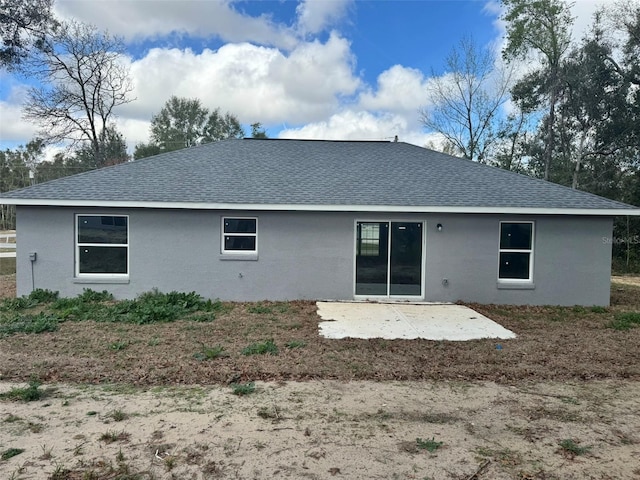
(311, 256)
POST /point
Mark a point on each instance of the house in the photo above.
(293, 219)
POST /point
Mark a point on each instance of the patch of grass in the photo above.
(295, 344)
(37, 297)
(119, 345)
(8, 266)
(27, 394)
(570, 447)
(261, 348)
(430, 445)
(598, 309)
(241, 389)
(118, 415)
(38, 323)
(210, 353)
(260, 308)
(111, 436)
(10, 453)
(625, 321)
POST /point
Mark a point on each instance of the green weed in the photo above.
(10, 453)
(241, 389)
(210, 353)
(112, 436)
(625, 321)
(569, 446)
(261, 348)
(28, 394)
(260, 308)
(118, 415)
(429, 445)
(295, 344)
(28, 323)
(598, 309)
(119, 345)
(37, 297)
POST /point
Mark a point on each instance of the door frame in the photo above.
(423, 259)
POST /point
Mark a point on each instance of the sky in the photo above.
(313, 69)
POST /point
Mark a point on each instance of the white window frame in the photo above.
(79, 245)
(223, 250)
(520, 250)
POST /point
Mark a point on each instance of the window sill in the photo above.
(516, 286)
(101, 280)
(248, 257)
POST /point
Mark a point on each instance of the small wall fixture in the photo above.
(439, 227)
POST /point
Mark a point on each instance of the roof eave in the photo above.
(323, 208)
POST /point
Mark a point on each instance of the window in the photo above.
(368, 239)
(516, 251)
(239, 235)
(102, 245)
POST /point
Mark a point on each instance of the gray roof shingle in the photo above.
(311, 173)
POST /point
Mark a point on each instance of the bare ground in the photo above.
(500, 413)
(327, 429)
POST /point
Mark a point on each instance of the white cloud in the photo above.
(255, 83)
(360, 125)
(314, 16)
(399, 89)
(140, 19)
(13, 128)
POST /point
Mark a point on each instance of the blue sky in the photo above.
(339, 69)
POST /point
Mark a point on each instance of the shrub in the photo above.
(39, 323)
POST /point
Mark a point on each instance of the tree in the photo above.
(113, 149)
(179, 124)
(143, 150)
(257, 131)
(83, 81)
(23, 24)
(184, 122)
(540, 30)
(16, 171)
(221, 127)
(464, 104)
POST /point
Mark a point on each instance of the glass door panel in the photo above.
(372, 258)
(406, 259)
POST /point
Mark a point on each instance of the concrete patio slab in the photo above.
(406, 321)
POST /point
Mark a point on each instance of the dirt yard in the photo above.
(328, 429)
(123, 401)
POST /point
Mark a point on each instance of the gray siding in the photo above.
(311, 256)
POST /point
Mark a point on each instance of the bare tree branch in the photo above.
(84, 80)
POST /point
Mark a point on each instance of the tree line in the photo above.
(550, 106)
(81, 81)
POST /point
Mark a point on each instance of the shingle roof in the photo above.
(311, 174)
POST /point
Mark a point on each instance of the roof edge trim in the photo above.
(322, 208)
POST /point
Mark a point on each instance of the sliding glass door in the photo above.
(389, 258)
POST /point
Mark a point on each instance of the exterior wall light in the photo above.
(439, 227)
